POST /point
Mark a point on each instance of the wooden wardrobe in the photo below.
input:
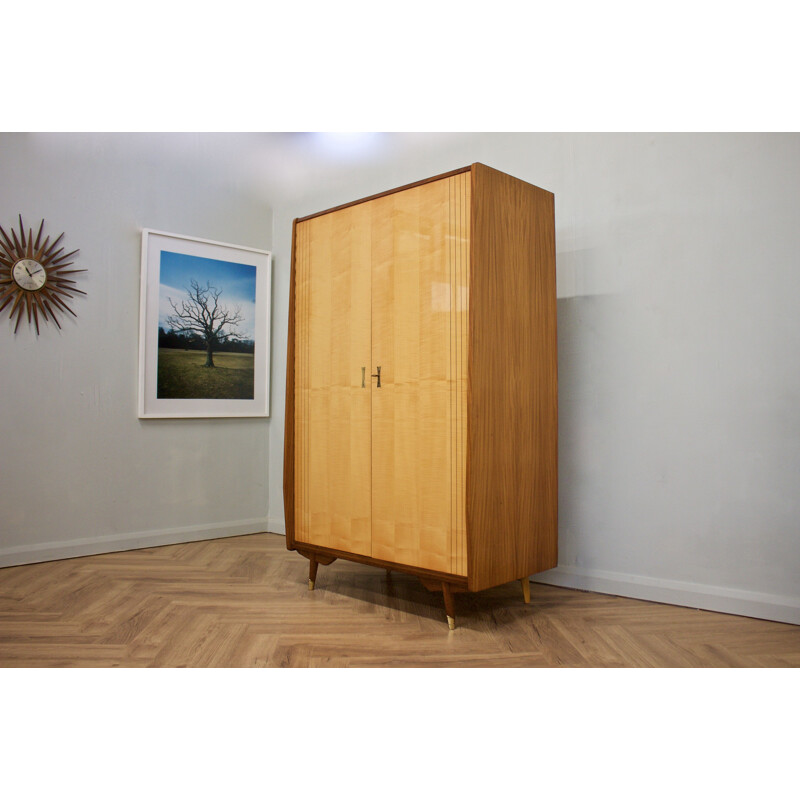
(421, 387)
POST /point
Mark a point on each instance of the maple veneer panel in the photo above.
(458, 256)
(512, 440)
(332, 408)
(415, 337)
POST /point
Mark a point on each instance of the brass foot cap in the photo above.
(451, 623)
(311, 586)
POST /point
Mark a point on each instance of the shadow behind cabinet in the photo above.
(421, 393)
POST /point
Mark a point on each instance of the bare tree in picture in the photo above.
(203, 314)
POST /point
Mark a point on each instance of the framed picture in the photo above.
(204, 323)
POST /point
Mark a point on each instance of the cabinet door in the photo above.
(419, 316)
(332, 408)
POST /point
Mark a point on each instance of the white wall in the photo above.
(678, 279)
(677, 260)
(79, 472)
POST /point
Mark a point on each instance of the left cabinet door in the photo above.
(333, 320)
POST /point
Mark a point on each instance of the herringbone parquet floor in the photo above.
(244, 602)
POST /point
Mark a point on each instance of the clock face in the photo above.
(29, 274)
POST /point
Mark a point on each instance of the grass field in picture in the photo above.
(181, 375)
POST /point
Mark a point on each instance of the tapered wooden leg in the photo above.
(449, 606)
(312, 572)
(314, 560)
(526, 589)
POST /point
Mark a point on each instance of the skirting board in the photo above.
(677, 593)
(90, 546)
(773, 607)
(692, 595)
(277, 526)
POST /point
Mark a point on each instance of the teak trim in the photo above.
(288, 433)
(387, 192)
(308, 550)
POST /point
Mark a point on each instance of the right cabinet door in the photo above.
(420, 302)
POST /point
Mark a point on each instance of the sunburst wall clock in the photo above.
(34, 279)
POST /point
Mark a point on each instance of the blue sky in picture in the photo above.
(237, 282)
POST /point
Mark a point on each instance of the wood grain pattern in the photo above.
(417, 460)
(321, 553)
(289, 412)
(332, 408)
(512, 477)
(460, 191)
(244, 602)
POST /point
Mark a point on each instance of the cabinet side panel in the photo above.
(512, 473)
(332, 402)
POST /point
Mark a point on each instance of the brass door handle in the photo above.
(363, 373)
(378, 376)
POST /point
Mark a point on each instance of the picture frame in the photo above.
(204, 328)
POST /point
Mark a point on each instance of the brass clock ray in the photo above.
(43, 292)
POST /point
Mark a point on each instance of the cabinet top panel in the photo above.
(399, 189)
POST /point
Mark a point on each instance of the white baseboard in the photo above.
(53, 551)
(692, 595)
